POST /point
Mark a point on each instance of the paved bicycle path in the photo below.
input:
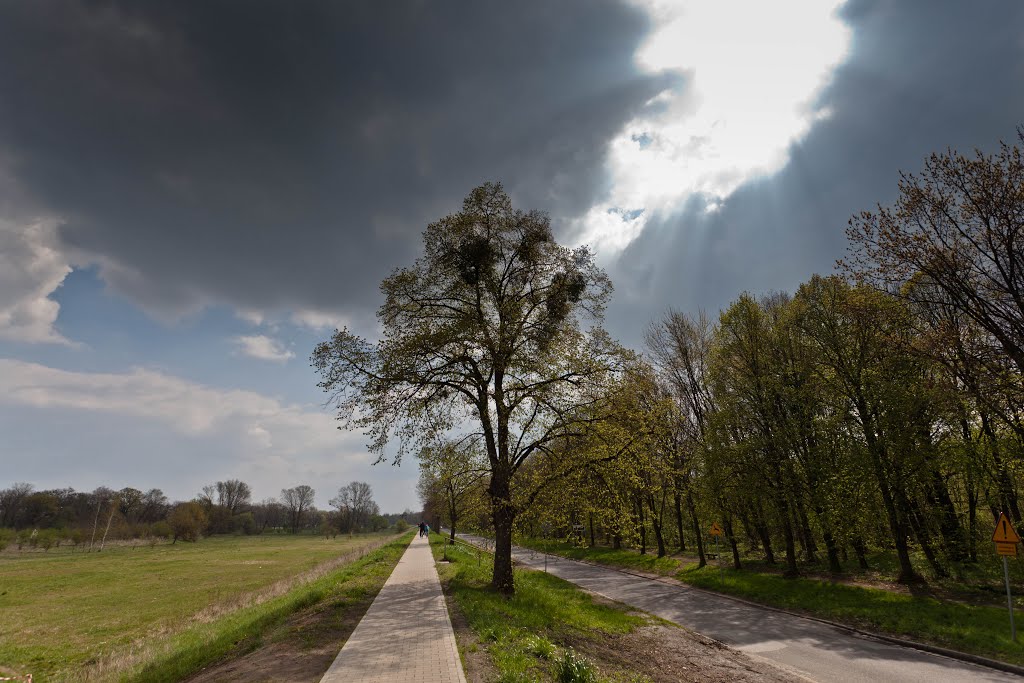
(804, 647)
(406, 635)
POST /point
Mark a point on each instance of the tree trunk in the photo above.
(861, 551)
(107, 530)
(727, 521)
(95, 523)
(764, 535)
(592, 543)
(642, 526)
(920, 528)
(658, 536)
(678, 505)
(807, 538)
(1007, 491)
(702, 561)
(952, 534)
(832, 551)
(503, 517)
(788, 535)
(897, 523)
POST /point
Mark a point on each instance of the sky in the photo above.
(193, 194)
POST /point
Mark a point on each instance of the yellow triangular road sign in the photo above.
(716, 530)
(1004, 532)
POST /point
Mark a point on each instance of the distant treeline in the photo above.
(49, 518)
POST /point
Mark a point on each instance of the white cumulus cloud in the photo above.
(263, 347)
(32, 267)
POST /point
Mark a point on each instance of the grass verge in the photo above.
(977, 629)
(980, 630)
(530, 636)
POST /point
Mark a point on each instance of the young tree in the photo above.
(187, 521)
(450, 475)
(485, 327)
(297, 500)
(959, 226)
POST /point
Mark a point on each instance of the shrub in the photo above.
(76, 536)
(161, 529)
(6, 537)
(401, 525)
(187, 521)
(572, 668)
(47, 538)
(27, 537)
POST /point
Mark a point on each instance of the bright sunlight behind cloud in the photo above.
(753, 74)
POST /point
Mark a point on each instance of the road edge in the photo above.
(977, 660)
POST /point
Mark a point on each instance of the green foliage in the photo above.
(401, 525)
(572, 668)
(539, 646)
(7, 537)
(161, 530)
(492, 320)
(187, 521)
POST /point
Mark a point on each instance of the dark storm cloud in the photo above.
(921, 76)
(287, 155)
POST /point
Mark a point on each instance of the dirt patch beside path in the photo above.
(664, 653)
(298, 651)
(657, 653)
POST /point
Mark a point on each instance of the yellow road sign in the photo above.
(1007, 549)
(716, 530)
(1004, 532)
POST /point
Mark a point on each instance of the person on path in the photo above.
(423, 527)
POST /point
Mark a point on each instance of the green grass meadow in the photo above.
(75, 616)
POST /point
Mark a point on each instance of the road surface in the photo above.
(803, 647)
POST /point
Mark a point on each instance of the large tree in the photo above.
(298, 500)
(355, 506)
(484, 329)
(956, 235)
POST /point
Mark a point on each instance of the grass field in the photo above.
(965, 613)
(66, 613)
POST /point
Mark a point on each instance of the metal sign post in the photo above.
(1009, 600)
(1006, 540)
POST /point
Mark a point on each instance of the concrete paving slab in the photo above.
(406, 635)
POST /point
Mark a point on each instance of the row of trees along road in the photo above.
(879, 407)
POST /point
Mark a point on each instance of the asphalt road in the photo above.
(802, 647)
